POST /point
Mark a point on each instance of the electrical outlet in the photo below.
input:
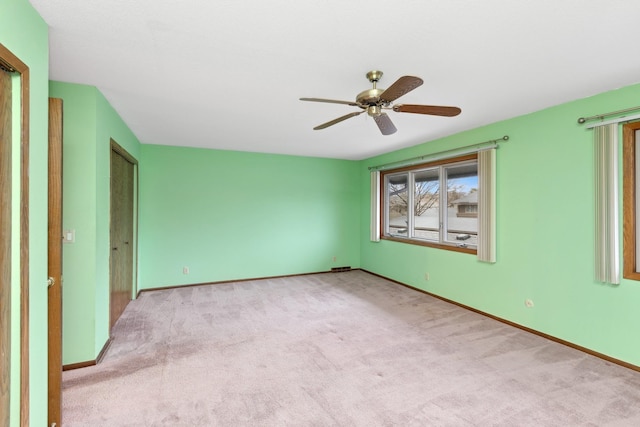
(528, 302)
(334, 259)
(185, 270)
(426, 276)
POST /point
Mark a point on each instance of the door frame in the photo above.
(12, 63)
(54, 292)
(114, 146)
(6, 237)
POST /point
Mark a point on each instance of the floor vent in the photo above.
(340, 269)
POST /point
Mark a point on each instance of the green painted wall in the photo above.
(24, 33)
(233, 215)
(545, 237)
(230, 215)
(79, 214)
(89, 124)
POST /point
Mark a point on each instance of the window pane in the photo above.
(433, 204)
(397, 202)
(462, 204)
(426, 201)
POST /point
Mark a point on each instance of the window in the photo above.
(433, 204)
(631, 220)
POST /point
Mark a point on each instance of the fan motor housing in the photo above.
(369, 97)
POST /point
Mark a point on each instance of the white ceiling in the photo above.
(227, 74)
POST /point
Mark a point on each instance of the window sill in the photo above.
(631, 275)
(453, 248)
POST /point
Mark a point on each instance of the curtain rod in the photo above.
(618, 120)
(581, 120)
(442, 154)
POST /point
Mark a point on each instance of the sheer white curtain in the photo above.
(375, 206)
(487, 205)
(607, 250)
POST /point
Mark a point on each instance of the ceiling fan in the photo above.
(375, 100)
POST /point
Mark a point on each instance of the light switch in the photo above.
(69, 236)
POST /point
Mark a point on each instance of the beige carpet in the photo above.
(336, 349)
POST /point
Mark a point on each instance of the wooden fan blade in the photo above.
(330, 101)
(434, 110)
(401, 86)
(338, 120)
(385, 124)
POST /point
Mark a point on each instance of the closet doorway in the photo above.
(122, 231)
